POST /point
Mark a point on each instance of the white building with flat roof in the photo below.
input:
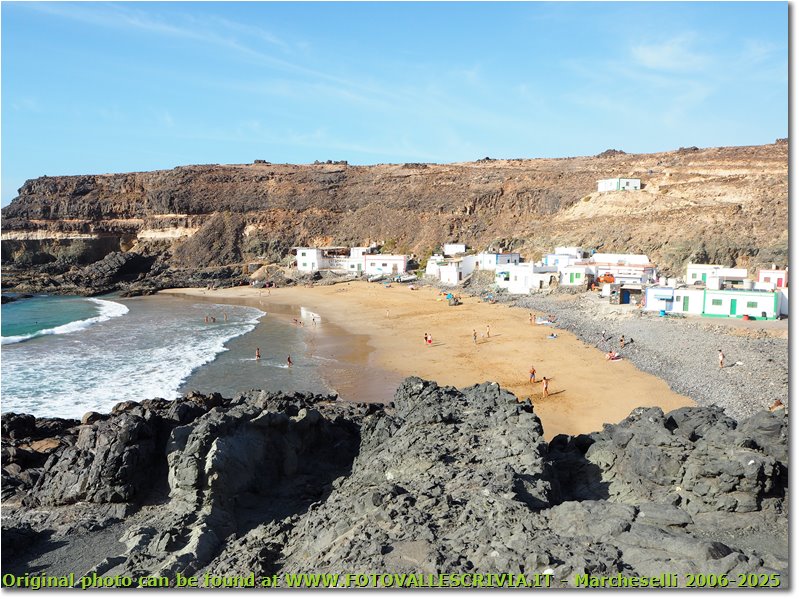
(618, 184)
(775, 277)
(490, 260)
(714, 276)
(521, 279)
(632, 269)
(453, 249)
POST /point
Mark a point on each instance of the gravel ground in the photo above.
(681, 351)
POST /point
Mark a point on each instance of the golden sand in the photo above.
(585, 390)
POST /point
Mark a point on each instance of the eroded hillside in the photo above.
(726, 205)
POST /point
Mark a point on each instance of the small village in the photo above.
(709, 290)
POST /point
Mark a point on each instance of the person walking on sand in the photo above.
(474, 336)
(257, 353)
(721, 359)
(532, 318)
(289, 361)
(488, 331)
(544, 387)
(532, 373)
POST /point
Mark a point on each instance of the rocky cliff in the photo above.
(442, 481)
(726, 205)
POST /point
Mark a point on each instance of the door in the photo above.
(360, 268)
(704, 277)
(571, 278)
(685, 304)
(733, 306)
(779, 282)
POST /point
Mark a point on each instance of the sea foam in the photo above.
(108, 310)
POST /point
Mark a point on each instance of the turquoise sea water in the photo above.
(64, 356)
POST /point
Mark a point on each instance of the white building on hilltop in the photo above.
(618, 184)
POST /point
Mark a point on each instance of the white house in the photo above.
(635, 269)
(775, 277)
(453, 249)
(740, 302)
(714, 276)
(520, 279)
(688, 300)
(391, 264)
(490, 261)
(433, 268)
(309, 259)
(563, 256)
(453, 271)
(713, 302)
(576, 274)
(618, 184)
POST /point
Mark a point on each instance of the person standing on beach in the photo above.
(532, 318)
(257, 353)
(429, 339)
(544, 387)
(488, 331)
(425, 338)
(289, 362)
(225, 315)
(474, 336)
(532, 373)
(721, 359)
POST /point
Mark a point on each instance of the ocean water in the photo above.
(65, 356)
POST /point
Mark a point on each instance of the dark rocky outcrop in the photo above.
(443, 480)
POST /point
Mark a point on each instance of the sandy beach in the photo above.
(585, 391)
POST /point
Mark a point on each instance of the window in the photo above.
(693, 275)
(677, 298)
(384, 264)
(716, 302)
(767, 279)
(304, 264)
(578, 275)
(371, 264)
(302, 254)
(751, 304)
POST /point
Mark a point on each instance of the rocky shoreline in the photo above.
(442, 480)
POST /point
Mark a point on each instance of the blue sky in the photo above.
(120, 87)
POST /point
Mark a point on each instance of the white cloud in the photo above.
(675, 54)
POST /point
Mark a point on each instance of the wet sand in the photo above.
(586, 390)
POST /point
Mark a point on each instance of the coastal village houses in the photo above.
(709, 289)
(356, 260)
(634, 269)
(714, 291)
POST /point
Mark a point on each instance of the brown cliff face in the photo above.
(727, 205)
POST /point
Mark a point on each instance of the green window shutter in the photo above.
(751, 304)
(716, 302)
